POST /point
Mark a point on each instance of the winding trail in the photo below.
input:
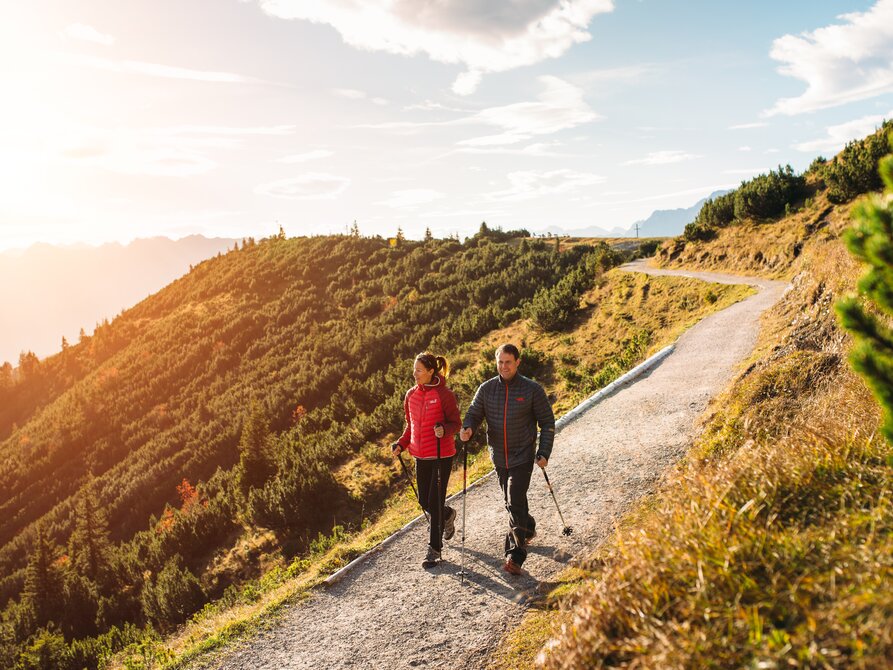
(390, 613)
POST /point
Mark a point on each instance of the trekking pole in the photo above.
(567, 530)
(412, 484)
(462, 572)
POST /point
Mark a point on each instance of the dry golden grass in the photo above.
(768, 249)
(781, 517)
(782, 556)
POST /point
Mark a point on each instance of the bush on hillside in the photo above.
(763, 197)
(767, 195)
(552, 307)
(855, 170)
(698, 232)
(172, 596)
(717, 212)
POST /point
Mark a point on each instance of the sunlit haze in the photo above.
(229, 118)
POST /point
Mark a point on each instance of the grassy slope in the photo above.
(596, 337)
(781, 516)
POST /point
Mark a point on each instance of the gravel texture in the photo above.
(388, 612)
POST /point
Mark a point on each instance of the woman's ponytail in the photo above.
(443, 367)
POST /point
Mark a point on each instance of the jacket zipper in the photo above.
(505, 430)
(422, 420)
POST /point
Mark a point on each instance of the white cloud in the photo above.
(349, 93)
(525, 185)
(311, 186)
(157, 70)
(430, 105)
(745, 126)
(354, 94)
(839, 135)
(840, 63)
(559, 107)
(411, 198)
(482, 36)
(745, 149)
(175, 151)
(151, 161)
(663, 158)
(226, 130)
(537, 149)
(307, 156)
(85, 33)
(627, 74)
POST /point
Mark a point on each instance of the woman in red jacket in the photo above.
(432, 417)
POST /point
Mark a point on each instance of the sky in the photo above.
(122, 120)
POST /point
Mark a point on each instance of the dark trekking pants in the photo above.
(514, 483)
(426, 477)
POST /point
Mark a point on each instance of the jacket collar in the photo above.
(435, 381)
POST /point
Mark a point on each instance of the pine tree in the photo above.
(354, 229)
(88, 547)
(255, 462)
(428, 235)
(871, 241)
(43, 582)
(6, 375)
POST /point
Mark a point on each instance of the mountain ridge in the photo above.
(77, 286)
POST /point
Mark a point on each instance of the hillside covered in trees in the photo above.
(132, 459)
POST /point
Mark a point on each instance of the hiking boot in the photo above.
(511, 567)
(449, 524)
(432, 558)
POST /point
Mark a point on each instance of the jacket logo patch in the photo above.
(520, 399)
(433, 401)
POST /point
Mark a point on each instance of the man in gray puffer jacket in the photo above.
(513, 406)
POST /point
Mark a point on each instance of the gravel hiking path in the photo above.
(388, 612)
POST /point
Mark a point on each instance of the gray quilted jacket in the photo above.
(513, 412)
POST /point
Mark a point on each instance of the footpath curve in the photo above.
(390, 613)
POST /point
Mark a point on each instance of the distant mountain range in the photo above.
(661, 223)
(47, 291)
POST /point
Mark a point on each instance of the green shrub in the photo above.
(766, 196)
(171, 597)
(855, 170)
(871, 241)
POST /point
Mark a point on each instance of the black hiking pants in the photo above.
(514, 483)
(432, 500)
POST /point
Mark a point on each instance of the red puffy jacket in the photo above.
(425, 406)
